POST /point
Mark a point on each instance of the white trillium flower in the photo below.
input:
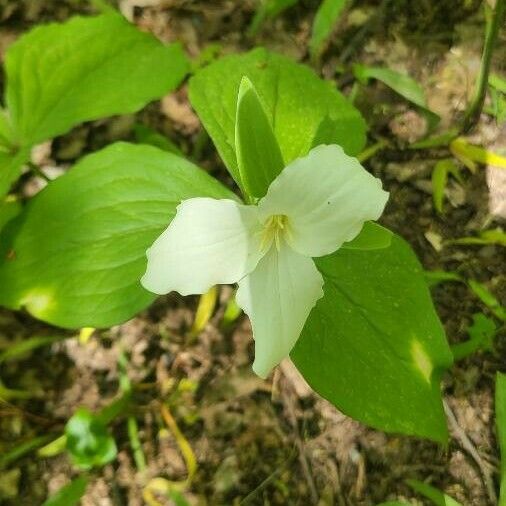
(316, 204)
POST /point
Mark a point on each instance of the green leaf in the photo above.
(10, 168)
(432, 493)
(70, 494)
(440, 178)
(497, 82)
(373, 345)
(481, 337)
(498, 105)
(326, 17)
(76, 253)
(6, 134)
(258, 155)
(88, 441)
(434, 278)
(402, 84)
(268, 9)
(146, 135)
(482, 292)
(19, 349)
(372, 236)
(8, 210)
(295, 100)
(494, 236)
(60, 75)
(500, 416)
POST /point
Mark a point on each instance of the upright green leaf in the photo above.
(258, 155)
(326, 17)
(70, 494)
(500, 415)
(440, 178)
(76, 253)
(295, 100)
(373, 345)
(60, 75)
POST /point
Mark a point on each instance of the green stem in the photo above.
(492, 31)
(371, 151)
(133, 435)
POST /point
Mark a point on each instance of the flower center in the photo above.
(275, 227)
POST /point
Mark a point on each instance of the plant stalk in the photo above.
(494, 24)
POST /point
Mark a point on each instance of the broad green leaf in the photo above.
(326, 17)
(76, 253)
(295, 100)
(258, 155)
(500, 420)
(373, 345)
(69, 495)
(402, 84)
(60, 75)
(88, 441)
(10, 168)
(268, 9)
(8, 210)
(372, 236)
(432, 493)
(488, 298)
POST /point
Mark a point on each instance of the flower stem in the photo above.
(494, 24)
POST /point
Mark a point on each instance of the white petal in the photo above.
(208, 242)
(327, 197)
(278, 297)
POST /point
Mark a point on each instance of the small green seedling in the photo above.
(89, 443)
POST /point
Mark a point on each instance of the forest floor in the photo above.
(275, 442)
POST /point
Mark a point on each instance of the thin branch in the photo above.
(467, 444)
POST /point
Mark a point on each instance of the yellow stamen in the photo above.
(274, 228)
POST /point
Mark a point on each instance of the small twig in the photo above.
(473, 112)
(304, 464)
(467, 444)
(253, 494)
(38, 172)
